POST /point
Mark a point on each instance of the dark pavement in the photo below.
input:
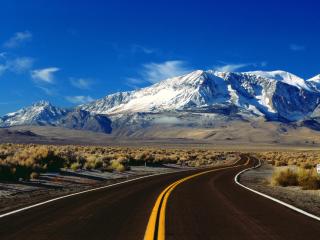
(210, 206)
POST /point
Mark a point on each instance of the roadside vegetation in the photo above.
(294, 168)
(303, 159)
(28, 161)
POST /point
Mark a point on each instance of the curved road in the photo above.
(208, 206)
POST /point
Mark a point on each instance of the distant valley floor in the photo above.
(229, 135)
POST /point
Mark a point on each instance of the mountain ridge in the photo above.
(253, 91)
(198, 98)
(43, 113)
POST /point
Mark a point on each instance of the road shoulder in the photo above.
(259, 179)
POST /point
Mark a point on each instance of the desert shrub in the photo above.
(280, 163)
(93, 162)
(98, 164)
(307, 165)
(20, 160)
(284, 178)
(305, 159)
(51, 161)
(117, 166)
(308, 179)
(75, 166)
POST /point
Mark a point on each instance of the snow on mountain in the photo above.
(282, 76)
(195, 89)
(174, 93)
(204, 95)
(314, 83)
(40, 113)
(44, 113)
(275, 94)
(315, 79)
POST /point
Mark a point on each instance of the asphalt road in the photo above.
(209, 206)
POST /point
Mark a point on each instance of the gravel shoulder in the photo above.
(258, 179)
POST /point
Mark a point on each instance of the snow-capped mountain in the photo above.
(275, 95)
(43, 113)
(40, 113)
(314, 83)
(200, 98)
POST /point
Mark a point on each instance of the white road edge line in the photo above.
(85, 191)
(236, 179)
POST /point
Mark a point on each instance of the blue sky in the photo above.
(70, 52)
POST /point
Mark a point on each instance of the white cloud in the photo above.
(20, 64)
(296, 47)
(230, 67)
(81, 83)
(18, 39)
(46, 90)
(155, 72)
(45, 75)
(15, 65)
(135, 82)
(79, 99)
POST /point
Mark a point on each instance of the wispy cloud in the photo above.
(81, 83)
(17, 39)
(128, 51)
(232, 67)
(20, 64)
(79, 99)
(135, 82)
(296, 47)
(155, 72)
(46, 90)
(45, 75)
(135, 48)
(15, 65)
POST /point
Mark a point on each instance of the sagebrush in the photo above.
(28, 160)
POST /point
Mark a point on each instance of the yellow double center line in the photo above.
(157, 221)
